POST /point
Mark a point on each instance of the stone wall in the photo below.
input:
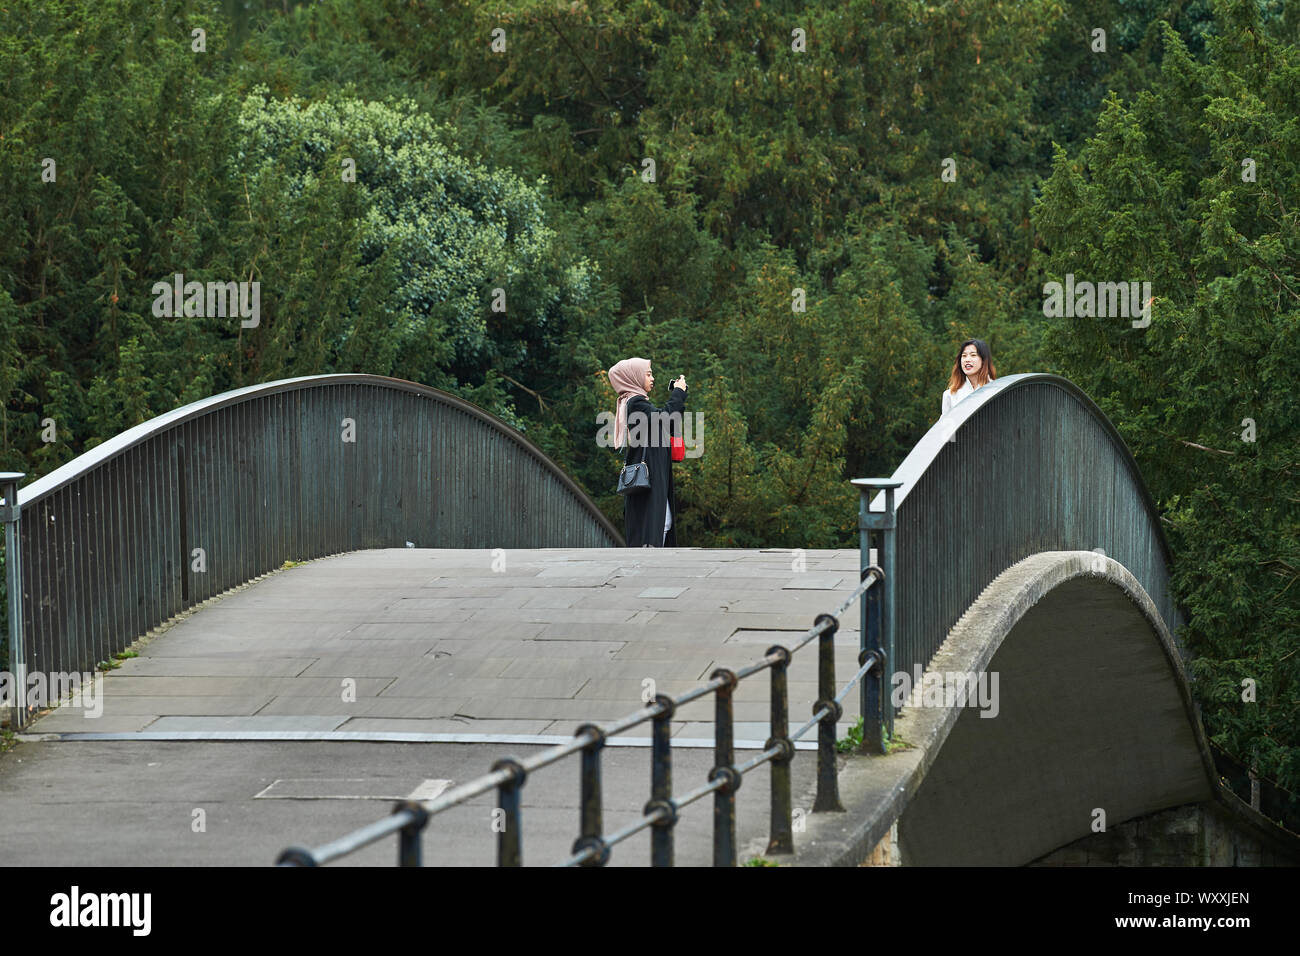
(1195, 834)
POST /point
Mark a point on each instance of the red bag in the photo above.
(678, 446)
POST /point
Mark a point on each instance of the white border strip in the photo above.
(378, 736)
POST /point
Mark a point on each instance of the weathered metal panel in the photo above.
(1035, 466)
(261, 475)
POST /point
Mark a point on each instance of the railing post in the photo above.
(873, 681)
(885, 523)
(661, 783)
(9, 511)
(828, 784)
(724, 798)
(782, 825)
(296, 856)
(510, 851)
(409, 839)
(591, 823)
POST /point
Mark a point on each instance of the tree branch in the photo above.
(586, 69)
(541, 404)
(1217, 451)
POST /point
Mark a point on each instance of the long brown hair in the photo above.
(986, 373)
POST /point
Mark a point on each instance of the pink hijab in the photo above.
(628, 379)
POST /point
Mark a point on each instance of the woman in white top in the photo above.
(973, 369)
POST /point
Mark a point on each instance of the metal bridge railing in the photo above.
(206, 497)
(1026, 464)
(593, 845)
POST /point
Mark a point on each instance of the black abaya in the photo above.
(643, 515)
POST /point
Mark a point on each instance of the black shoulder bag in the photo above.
(634, 479)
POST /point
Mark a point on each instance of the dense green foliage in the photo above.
(776, 173)
(1206, 395)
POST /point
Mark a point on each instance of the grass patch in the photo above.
(852, 740)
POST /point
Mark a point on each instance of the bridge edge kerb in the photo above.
(119, 444)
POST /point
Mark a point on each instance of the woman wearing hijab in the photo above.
(648, 518)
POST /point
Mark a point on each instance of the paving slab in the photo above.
(403, 658)
(814, 582)
(681, 668)
(229, 666)
(632, 691)
(657, 648)
(472, 586)
(410, 707)
(669, 622)
(774, 573)
(527, 649)
(320, 619)
(560, 597)
(751, 730)
(500, 598)
(69, 721)
(405, 611)
(578, 710)
(304, 605)
(566, 616)
(580, 632)
(215, 705)
(447, 725)
(146, 795)
(245, 647)
(256, 722)
(358, 665)
(444, 685)
(397, 630)
(701, 711)
(437, 643)
(198, 686)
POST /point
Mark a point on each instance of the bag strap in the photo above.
(628, 451)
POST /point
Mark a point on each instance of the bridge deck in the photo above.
(437, 642)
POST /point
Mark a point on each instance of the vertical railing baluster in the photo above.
(661, 783)
(410, 836)
(591, 823)
(889, 605)
(828, 786)
(510, 846)
(724, 798)
(873, 683)
(782, 822)
(14, 594)
(886, 523)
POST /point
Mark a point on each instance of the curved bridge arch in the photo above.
(261, 475)
(1000, 510)
(1026, 464)
(1092, 712)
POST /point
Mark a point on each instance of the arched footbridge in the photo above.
(1015, 642)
